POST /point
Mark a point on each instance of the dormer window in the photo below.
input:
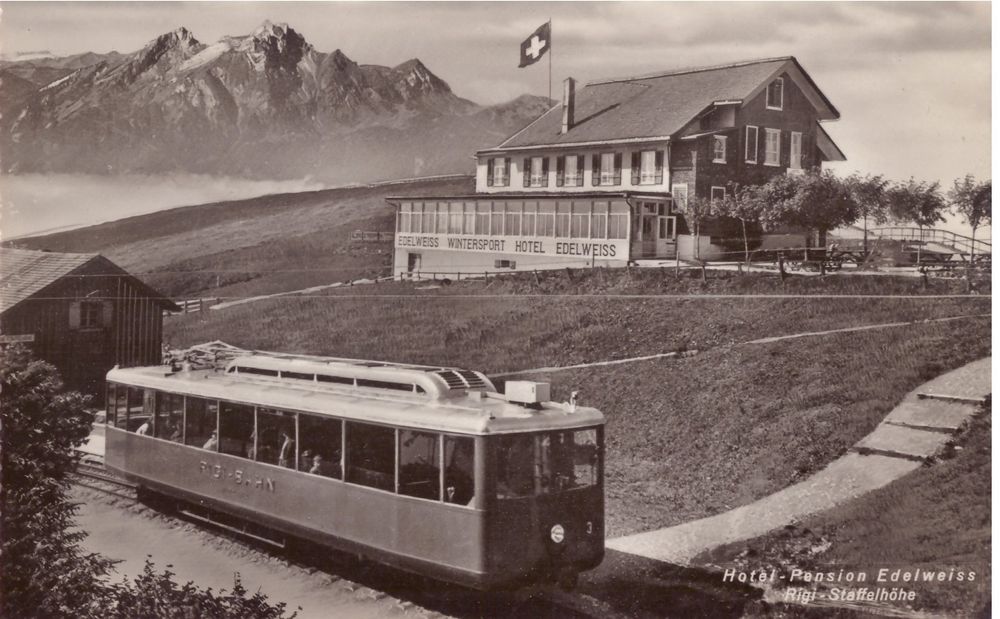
(498, 172)
(719, 149)
(776, 94)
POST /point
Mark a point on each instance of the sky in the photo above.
(911, 80)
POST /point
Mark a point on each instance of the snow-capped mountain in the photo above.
(265, 104)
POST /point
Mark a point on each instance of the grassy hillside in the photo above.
(688, 437)
(937, 518)
(260, 245)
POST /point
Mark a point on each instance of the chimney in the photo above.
(569, 104)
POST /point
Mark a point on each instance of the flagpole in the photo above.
(550, 61)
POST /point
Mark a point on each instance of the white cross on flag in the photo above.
(535, 46)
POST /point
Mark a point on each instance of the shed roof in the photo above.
(25, 272)
(658, 106)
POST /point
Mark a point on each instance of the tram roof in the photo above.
(471, 412)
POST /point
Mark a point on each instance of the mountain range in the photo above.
(264, 105)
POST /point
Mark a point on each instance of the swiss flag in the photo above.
(535, 46)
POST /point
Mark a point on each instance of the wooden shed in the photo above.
(80, 312)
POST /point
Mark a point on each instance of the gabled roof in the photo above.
(25, 272)
(655, 107)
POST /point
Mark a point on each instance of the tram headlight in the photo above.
(558, 533)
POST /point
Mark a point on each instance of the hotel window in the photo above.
(404, 217)
(718, 193)
(618, 222)
(750, 148)
(528, 219)
(416, 219)
(579, 227)
(776, 94)
(562, 218)
(546, 224)
(647, 167)
(430, 214)
(455, 218)
(470, 218)
(536, 172)
(599, 221)
(772, 147)
(498, 172)
(496, 219)
(680, 195)
(719, 149)
(483, 218)
(569, 171)
(442, 217)
(606, 169)
(795, 151)
(512, 220)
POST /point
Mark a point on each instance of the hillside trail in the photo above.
(912, 434)
(763, 340)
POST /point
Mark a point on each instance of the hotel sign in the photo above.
(607, 249)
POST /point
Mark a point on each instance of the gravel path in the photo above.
(895, 448)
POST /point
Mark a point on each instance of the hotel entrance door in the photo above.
(657, 231)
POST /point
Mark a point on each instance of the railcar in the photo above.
(427, 469)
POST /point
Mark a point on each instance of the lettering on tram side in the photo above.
(237, 476)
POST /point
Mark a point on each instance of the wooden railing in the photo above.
(959, 242)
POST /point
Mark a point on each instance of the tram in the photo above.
(426, 469)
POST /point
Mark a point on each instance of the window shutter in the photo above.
(506, 171)
(560, 171)
(107, 309)
(636, 162)
(595, 170)
(545, 171)
(526, 172)
(489, 172)
(618, 168)
(74, 315)
(659, 167)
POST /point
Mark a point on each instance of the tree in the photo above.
(871, 195)
(821, 202)
(973, 202)
(44, 571)
(917, 202)
(745, 203)
(696, 212)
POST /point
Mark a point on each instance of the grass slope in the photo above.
(686, 438)
(256, 246)
(934, 519)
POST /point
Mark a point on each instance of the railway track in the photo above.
(90, 473)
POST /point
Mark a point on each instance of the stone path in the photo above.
(914, 431)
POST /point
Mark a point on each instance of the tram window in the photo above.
(385, 384)
(585, 458)
(109, 403)
(321, 440)
(339, 380)
(275, 438)
(516, 466)
(169, 416)
(419, 471)
(371, 455)
(200, 422)
(459, 463)
(236, 429)
(134, 417)
(298, 375)
(121, 408)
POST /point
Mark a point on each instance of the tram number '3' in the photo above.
(590, 528)
(238, 476)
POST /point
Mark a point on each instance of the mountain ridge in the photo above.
(265, 104)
